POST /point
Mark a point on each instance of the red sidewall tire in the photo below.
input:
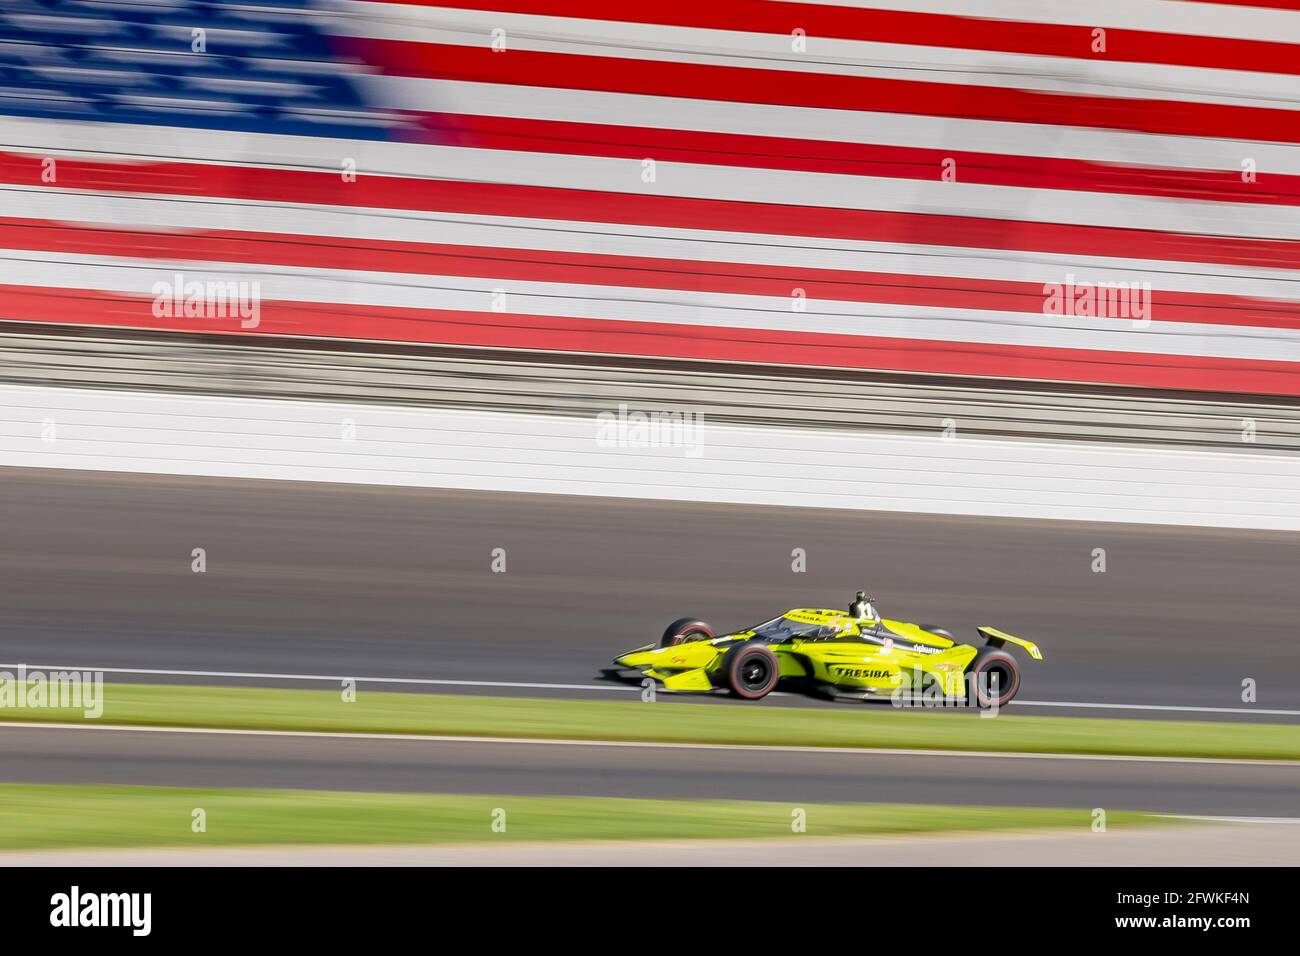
(684, 629)
(741, 656)
(992, 659)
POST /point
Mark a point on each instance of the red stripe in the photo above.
(488, 329)
(274, 186)
(853, 159)
(921, 29)
(816, 90)
(1275, 4)
(527, 265)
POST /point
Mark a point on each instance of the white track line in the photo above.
(258, 675)
(528, 685)
(652, 745)
(1175, 707)
(1210, 819)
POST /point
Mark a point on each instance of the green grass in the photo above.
(675, 721)
(52, 817)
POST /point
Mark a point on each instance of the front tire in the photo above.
(685, 629)
(989, 666)
(752, 671)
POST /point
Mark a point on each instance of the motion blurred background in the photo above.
(455, 234)
(884, 186)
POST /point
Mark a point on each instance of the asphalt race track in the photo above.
(188, 759)
(313, 579)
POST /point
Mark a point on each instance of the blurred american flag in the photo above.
(872, 184)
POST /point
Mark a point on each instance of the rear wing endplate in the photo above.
(998, 638)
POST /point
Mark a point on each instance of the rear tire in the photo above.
(752, 670)
(938, 630)
(990, 664)
(686, 629)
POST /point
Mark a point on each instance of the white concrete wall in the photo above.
(256, 438)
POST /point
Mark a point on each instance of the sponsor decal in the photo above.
(861, 673)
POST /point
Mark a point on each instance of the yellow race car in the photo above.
(838, 654)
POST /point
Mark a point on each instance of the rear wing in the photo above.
(998, 638)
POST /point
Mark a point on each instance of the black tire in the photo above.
(942, 632)
(686, 629)
(988, 664)
(752, 670)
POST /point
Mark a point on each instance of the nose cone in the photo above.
(641, 657)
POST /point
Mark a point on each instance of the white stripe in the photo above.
(1158, 16)
(646, 744)
(846, 126)
(160, 433)
(688, 180)
(836, 191)
(687, 308)
(1086, 76)
(633, 689)
(501, 232)
(41, 138)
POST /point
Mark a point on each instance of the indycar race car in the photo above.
(839, 654)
